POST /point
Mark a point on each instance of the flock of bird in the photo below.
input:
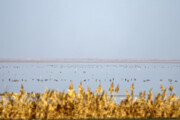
(74, 66)
(137, 66)
(53, 104)
(86, 80)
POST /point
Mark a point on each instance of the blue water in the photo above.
(37, 76)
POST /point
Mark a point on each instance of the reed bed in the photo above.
(85, 104)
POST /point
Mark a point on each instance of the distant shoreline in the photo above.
(88, 60)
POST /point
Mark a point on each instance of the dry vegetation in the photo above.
(85, 104)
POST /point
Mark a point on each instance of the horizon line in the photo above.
(85, 60)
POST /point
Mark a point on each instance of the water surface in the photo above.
(37, 76)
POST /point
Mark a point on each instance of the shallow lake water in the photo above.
(37, 76)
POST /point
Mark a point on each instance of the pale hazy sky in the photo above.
(90, 29)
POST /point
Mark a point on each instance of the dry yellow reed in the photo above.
(57, 105)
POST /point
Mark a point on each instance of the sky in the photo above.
(90, 29)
